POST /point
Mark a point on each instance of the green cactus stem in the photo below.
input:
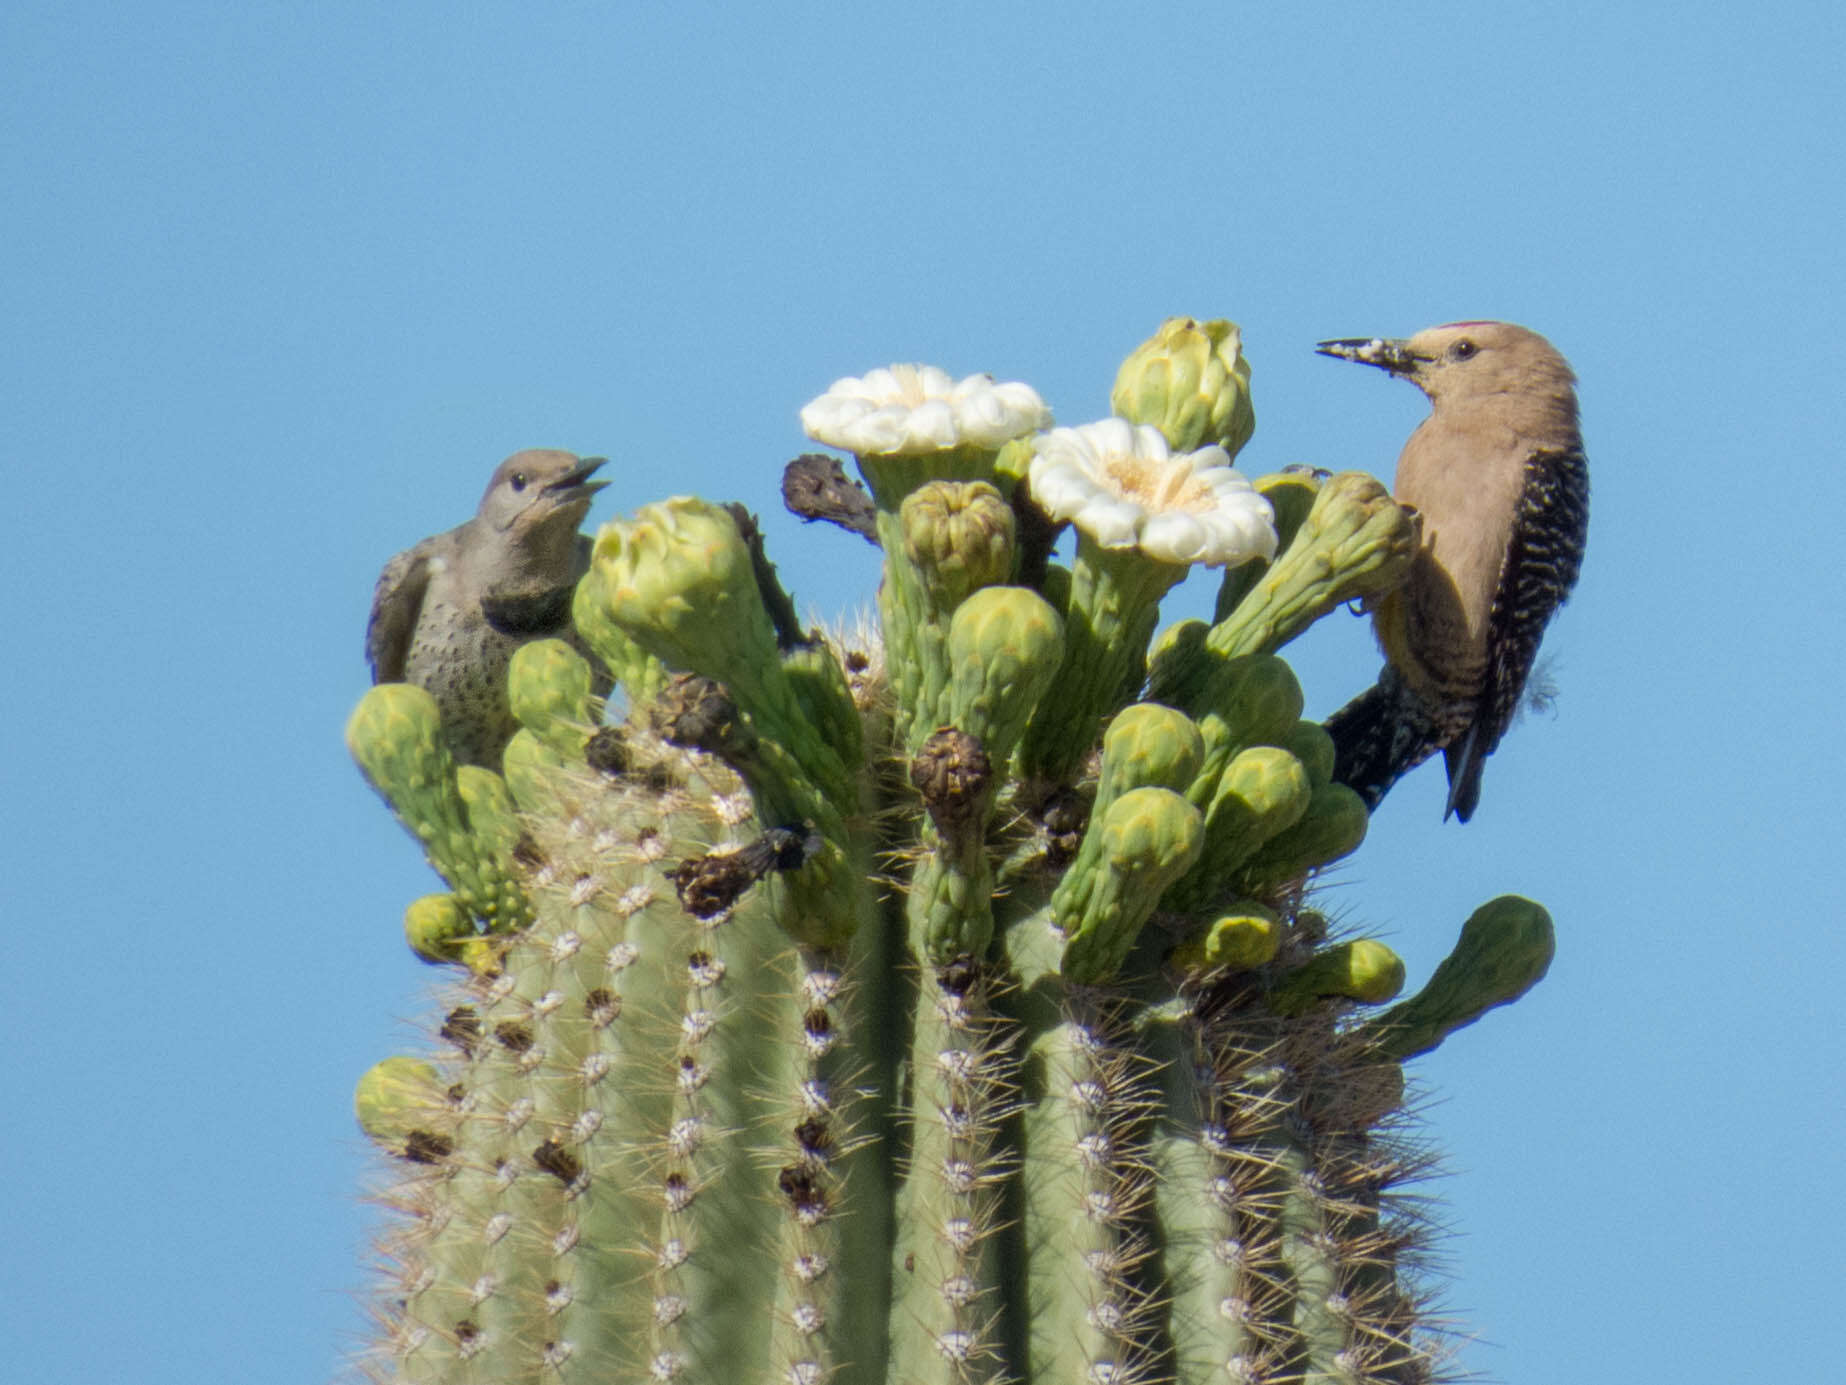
(1113, 605)
(1310, 744)
(639, 673)
(958, 538)
(1147, 839)
(1291, 495)
(1242, 939)
(438, 927)
(548, 684)
(1242, 702)
(680, 581)
(1332, 826)
(1365, 970)
(1148, 746)
(1003, 647)
(1356, 543)
(1504, 950)
(395, 734)
(1263, 792)
(911, 618)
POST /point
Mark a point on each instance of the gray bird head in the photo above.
(1466, 360)
(540, 490)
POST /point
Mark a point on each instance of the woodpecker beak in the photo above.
(575, 484)
(1392, 355)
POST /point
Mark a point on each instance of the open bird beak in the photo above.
(575, 484)
(1385, 353)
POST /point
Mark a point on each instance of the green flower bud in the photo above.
(1191, 381)
(1356, 542)
(435, 926)
(814, 673)
(493, 817)
(1310, 744)
(533, 773)
(398, 1100)
(395, 734)
(1148, 744)
(639, 672)
(1291, 496)
(1365, 970)
(497, 893)
(1333, 826)
(1178, 664)
(1056, 587)
(1504, 950)
(1148, 838)
(483, 956)
(1148, 833)
(1252, 700)
(1005, 645)
(548, 684)
(959, 534)
(679, 580)
(1263, 792)
(1241, 940)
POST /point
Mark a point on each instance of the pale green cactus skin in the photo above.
(813, 1023)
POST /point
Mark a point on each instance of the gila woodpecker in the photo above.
(448, 614)
(1498, 476)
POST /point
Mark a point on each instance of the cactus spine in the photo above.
(938, 1011)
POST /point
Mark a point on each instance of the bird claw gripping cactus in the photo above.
(942, 1010)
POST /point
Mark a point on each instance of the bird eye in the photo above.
(1462, 349)
(519, 480)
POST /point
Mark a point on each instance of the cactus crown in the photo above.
(944, 1008)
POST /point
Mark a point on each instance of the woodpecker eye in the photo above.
(519, 480)
(1461, 350)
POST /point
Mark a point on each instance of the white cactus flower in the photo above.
(1119, 483)
(908, 409)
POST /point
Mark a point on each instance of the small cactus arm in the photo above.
(810, 1018)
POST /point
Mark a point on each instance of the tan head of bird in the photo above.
(1460, 364)
(540, 490)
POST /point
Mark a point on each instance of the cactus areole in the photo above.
(935, 1005)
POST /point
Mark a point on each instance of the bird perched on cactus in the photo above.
(1498, 477)
(448, 614)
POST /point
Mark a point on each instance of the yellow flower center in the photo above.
(1157, 485)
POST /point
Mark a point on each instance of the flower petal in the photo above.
(911, 409)
(1119, 484)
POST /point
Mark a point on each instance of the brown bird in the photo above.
(1498, 476)
(448, 614)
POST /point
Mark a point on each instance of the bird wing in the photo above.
(397, 601)
(1540, 569)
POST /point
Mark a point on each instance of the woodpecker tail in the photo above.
(1381, 735)
(1465, 765)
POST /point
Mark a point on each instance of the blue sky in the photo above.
(282, 283)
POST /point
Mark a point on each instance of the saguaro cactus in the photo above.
(936, 1007)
